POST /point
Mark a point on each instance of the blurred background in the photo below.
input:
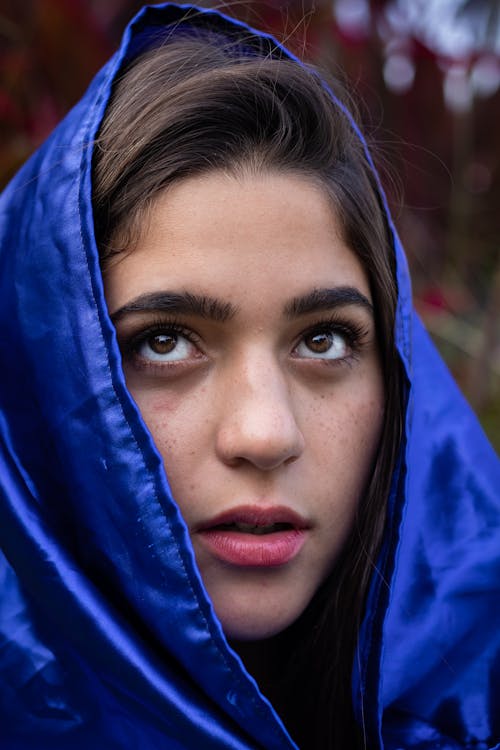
(426, 75)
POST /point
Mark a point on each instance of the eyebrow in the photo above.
(326, 299)
(186, 303)
(180, 303)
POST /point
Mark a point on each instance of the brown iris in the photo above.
(162, 343)
(319, 343)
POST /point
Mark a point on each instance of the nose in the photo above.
(257, 423)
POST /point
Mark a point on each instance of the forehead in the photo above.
(250, 237)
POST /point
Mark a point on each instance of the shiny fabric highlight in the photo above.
(106, 633)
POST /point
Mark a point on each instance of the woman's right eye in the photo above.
(165, 346)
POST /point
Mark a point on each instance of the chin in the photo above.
(258, 620)
(253, 631)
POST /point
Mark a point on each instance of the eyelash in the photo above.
(354, 333)
(160, 326)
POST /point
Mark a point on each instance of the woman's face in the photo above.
(248, 343)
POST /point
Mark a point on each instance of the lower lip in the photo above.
(253, 550)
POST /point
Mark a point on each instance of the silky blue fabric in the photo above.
(107, 637)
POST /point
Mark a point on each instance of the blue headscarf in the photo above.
(107, 636)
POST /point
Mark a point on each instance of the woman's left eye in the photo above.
(165, 346)
(323, 344)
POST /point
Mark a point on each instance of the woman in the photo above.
(323, 574)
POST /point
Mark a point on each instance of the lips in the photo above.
(254, 536)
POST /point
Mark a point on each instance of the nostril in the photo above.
(261, 451)
(257, 422)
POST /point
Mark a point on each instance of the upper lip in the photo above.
(256, 515)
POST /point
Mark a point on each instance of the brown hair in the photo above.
(194, 105)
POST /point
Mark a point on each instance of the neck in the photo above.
(265, 661)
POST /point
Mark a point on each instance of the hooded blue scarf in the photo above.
(107, 636)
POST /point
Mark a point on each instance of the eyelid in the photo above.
(357, 336)
(131, 335)
(130, 340)
(355, 331)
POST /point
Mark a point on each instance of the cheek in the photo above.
(176, 432)
(161, 411)
(343, 434)
(179, 427)
(352, 418)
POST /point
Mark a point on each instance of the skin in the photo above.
(262, 407)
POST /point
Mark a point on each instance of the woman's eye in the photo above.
(323, 345)
(167, 346)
